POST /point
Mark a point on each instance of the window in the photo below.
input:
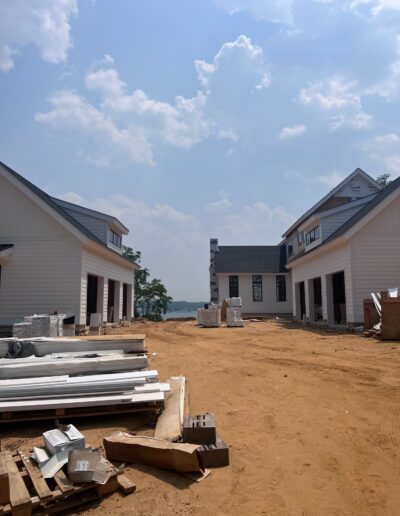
(289, 248)
(312, 235)
(300, 237)
(257, 288)
(115, 238)
(233, 286)
(281, 288)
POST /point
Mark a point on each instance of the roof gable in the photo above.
(343, 189)
(70, 222)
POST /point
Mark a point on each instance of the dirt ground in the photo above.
(312, 419)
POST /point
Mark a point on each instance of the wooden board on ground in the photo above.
(31, 493)
(125, 485)
(47, 414)
(170, 421)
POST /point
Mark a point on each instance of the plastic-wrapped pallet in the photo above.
(212, 317)
(200, 316)
(234, 317)
(234, 302)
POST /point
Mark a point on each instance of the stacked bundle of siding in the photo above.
(234, 312)
(65, 373)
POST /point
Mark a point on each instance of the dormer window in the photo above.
(312, 235)
(289, 248)
(115, 239)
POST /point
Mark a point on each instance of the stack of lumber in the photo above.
(76, 378)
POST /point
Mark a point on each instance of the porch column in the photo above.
(100, 294)
(105, 301)
(130, 302)
(118, 301)
(310, 306)
(307, 298)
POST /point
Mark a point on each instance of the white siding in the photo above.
(96, 226)
(329, 262)
(42, 275)
(357, 187)
(99, 266)
(269, 304)
(376, 256)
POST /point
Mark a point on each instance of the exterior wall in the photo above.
(214, 289)
(105, 269)
(357, 187)
(96, 226)
(333, 260)
(42, 274)
(269, 304)
(376, 256)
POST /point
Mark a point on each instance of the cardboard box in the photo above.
(87, 466)
(180, 457)
(58, 440)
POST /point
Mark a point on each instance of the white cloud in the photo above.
(384, 149)
(376, 7)
(114, 145)
(44, 23)
(292, 132)
(223, 204)
(127, 126)
(389, 87)
(73, 197)
(337, 97)
(239, 63)
(271, 10)
(332, 180)
(256, 224)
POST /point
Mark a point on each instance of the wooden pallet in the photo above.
(125, 408)
(30, 493)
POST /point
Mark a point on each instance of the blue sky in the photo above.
(193, 119)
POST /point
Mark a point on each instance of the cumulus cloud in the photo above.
(44, 23)
(279, 11)
(339, 99)
(127, 126)
(384, 149)
(223, 204)
(239, 64)
(291, 132)
(375, 7)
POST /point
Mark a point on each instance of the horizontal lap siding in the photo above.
(332, 261)
(376, 255)
(42, 274)
(269, 304)
(98, 266)
(333, 222)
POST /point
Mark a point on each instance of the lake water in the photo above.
(174, 315)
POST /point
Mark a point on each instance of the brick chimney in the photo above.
(214, 293)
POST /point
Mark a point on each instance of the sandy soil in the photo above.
(312, 419)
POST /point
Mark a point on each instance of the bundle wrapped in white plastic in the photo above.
(212, 317)
(234, 302)
(234, 317)
(200, 312)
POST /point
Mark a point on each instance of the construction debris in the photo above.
(211, 315)
(181, 457)
(387, 310)
(170, 421)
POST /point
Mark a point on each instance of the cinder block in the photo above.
(214, 455)
(199, 429)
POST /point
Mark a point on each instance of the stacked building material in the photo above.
(85, 378)
(200, 316)
(39, 326)
(234, 312)
(212, 317)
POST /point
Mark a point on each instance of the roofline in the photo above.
(62, 216)
(330, 194)
(333, 240)
(96, 214)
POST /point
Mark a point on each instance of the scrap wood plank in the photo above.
(20, 498)
(169, 424)
(62, 481)
(4, 484)
(126, 485)
(36, 477)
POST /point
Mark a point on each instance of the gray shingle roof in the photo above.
(69, 218)
(4, 247)
(250, 259)
(352, 221)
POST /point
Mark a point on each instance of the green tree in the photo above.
(151, 297)
(383, 180)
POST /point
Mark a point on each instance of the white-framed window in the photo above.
(115, 239)
(313, 235)
(289, 248)
(281, 288)
(300, 237)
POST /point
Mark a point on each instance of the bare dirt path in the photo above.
(312, 418)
